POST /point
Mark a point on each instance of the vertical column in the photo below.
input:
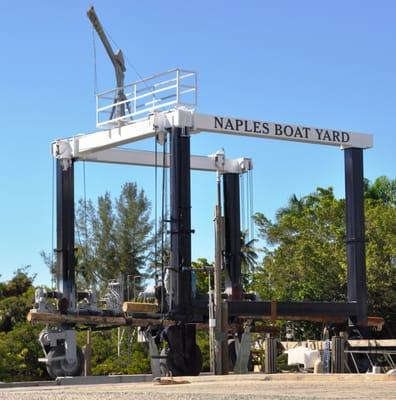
(65, 260)
(232, 227)
(180, 205)
(337, 355)
(218, 303)
(224, 340)
(271, 351)
(355, 236)
(88, 354)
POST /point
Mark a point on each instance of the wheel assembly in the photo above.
(184, 364)
(182, 357)
(58, 365)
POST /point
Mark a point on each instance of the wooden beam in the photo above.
(75, 319)
(133, 306)
(94, 320)
(378, 322)
(99, 320)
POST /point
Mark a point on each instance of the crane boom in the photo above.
(117, 59)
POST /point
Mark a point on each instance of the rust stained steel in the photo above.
(293, 311)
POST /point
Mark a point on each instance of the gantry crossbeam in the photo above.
(159, 122)
(215, 162)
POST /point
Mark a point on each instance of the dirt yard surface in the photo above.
(241, 387)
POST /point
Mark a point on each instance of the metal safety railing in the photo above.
(381, 358)
(135, 101)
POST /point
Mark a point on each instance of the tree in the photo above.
(201, 276)
(132, 230)
(16, 298)
(19, 348)
(134, 357)
(381, 258)
(382, 190)
(160, 254)
(249, 259)
(94, 241)
(305, 254)
(114, 237)
(304, 258)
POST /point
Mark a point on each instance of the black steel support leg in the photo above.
(183, 355)
(65, 260)
(180, 203)
(232, 234)
(355, 235)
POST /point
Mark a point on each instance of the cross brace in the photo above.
(215, 162)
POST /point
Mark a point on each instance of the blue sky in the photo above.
(325, 64)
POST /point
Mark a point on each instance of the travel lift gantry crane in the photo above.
(62, 356)
(163, 106)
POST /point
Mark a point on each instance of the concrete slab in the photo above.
(209, 387)
(81, 380)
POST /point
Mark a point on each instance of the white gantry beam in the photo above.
(132, 132)
(81, 145)
(156, 123)
(215, 162)
(280, 131)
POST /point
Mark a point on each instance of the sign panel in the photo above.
(281, 131)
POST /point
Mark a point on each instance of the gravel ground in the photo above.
(218, 388)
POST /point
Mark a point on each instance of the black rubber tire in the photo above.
(196, 362)
(231, 355)
(57, 368)
(184, 365)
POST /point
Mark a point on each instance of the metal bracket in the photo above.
(63, 151)
(51, 338)
(219, 158)
(242, 349)
(154, 356)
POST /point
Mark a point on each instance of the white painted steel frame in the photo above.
(158, 122)
(163, 91)
(147, 158)
(101, 140)
(281, 131)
